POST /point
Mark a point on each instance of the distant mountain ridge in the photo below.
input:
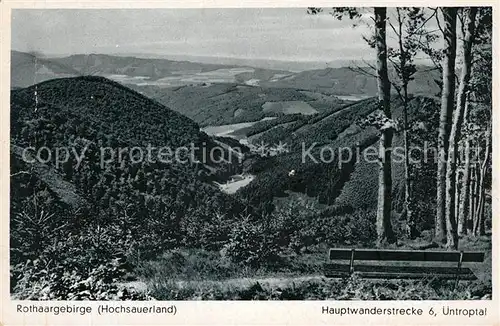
(347, 81)
(268, 64)
(136, 71)
(101, 64)
(28, 69)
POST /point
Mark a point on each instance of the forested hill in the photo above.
(353, 184)
(159, 204)
(108, 111)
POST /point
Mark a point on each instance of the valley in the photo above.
(235, 183)
(227, 130)
(188, 77)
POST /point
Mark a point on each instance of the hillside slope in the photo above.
(352, 183)
(221, 104)
(345, 81)
(168, 201)
(112, 110)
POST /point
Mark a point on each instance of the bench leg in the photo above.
(351, 265)
(459, 267)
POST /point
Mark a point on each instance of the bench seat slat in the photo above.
(405, 255)
(385, 271)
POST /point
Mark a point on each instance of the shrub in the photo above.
(250, 243)
(356, 228)
(35, 280)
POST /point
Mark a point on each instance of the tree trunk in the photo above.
(472, 199)
(464, 193)
(477, 187)
(410, 219)
(451, 163)
(384, 227)
(479, 228)
(412, 229)
(457, 193)
(447, 104)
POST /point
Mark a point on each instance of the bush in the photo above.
(356, 228)
(35, 280)
(251, 243)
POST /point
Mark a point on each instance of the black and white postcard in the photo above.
(159, 155)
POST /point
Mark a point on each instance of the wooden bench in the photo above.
(409, 271)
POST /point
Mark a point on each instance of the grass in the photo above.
(198, 264)
(207, 275)
(318, 289)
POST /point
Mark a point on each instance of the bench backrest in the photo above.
(404, 255)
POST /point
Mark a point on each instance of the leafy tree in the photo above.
(409, 27)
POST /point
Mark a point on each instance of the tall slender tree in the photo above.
(385, 233)
(446, 113)
(384, 227)
(481, 93)
(476, 112)
(409, 28)
(464, 192)
(472, 197)
(479, 228)
(451, 169)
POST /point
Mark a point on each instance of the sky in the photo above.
(287, 34)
